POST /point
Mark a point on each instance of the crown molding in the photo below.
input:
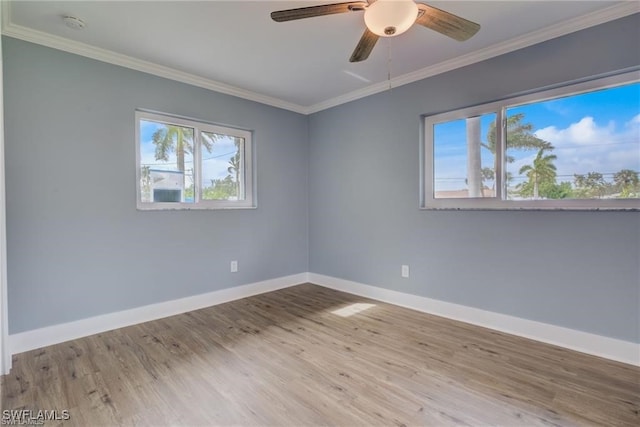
(45, 39)
(34, 36)
(576, 24)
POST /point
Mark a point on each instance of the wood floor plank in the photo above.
(308, 355)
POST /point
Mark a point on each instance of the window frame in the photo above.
(248, 183)
(498, 201)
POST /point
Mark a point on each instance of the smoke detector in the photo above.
(73, 22)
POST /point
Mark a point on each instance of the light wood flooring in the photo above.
(305, 356)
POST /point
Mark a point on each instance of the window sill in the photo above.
(181, 207)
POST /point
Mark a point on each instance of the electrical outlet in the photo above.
(405, 271)
(234, 266)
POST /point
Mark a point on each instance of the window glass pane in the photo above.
(222, 170)
(583, 146)
(166, 162)
(464, 157)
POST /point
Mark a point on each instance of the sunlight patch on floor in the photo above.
(352, 309)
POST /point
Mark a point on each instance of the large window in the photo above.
(184, 164)
(575, 147)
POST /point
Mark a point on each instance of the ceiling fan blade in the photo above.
(321, 10)
(364, 47)
(446, 23)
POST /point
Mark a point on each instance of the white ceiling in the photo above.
(234, 47)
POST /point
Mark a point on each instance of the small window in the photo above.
(184, 164)
(575, 147)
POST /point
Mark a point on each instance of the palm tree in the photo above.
(519, 137)
(178, 139)
(169, 139)
(590, 185)
(626, 181)
(234, 165)
(542, 170)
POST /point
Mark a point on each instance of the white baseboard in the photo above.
(30, 340)
(597, 345)
(609, 348)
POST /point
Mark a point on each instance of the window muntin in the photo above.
(184, 164)
(576, 147)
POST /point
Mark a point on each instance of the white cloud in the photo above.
(584, 132)
(585, 146)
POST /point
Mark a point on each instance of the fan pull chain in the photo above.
(389, 61)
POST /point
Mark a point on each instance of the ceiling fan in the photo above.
(387, 18)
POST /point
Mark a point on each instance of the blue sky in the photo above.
(594, 132)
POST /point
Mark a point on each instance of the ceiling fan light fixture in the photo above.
(387, 18)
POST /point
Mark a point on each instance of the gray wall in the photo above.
(337, 195)
(574, 269)
(77, 247)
